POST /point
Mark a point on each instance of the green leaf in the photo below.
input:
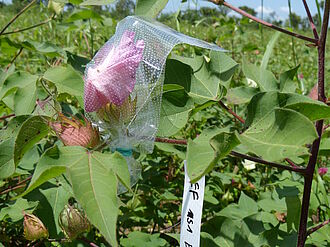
(206, 150)
(269, 50)
(170, 148)
(285, 137)
(293, 212)
(286, 80)
(96, 2)
(272, 204)
(150, 8)
(241, 95)
(19, 79)
(222, 66)
(142, 239)
(175, 95)
(94, 184)
(205, 83)
(12, 128)
(30, 133)
(25, 99)
(116, 164)
(245, 208)
(29, 160)
(66, 80)
(7, 166)
(208, 240)
(8, 47)
(77, 62)
(325, 146)
(247, 204)
(320, 237)
(312, 109)
(46, 48)
(84, 15)
(4, 73)
(264, 78)
(172, 118)
(48, 167)
(177, 72)
(261, 107)
(14, 211)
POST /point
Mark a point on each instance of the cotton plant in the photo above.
(124, 81)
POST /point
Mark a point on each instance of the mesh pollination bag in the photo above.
(124, 82)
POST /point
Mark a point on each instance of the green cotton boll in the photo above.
(55, 6)
(34, 229)
(73, 221)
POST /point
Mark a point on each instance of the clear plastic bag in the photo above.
(124, 81)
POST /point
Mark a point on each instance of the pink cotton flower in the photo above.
(112, 77)
(323, 170)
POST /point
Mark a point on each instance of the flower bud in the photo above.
(34, 229)
(323, 170)
(73, 221)
(114, 114)
(74, 132)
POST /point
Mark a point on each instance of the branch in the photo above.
(244, 156)
(172, 141)
(302, 232)
(13, 188)
(273, 164)
(291, 163)
(265, 23)
(164, 230)
(315, 228)
(7, 116)
(16, 16)
(88, 242)
(231, 112)
(310, 18)
(25, 180)
(87, 44)
(13, 60)
(30, 27)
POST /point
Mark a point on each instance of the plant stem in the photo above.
(315, 228)
(291, 162)
(318, 12)
(92, 37)
(87, 44)
(88, 242)
(239, 155)
(302, 232)
(265, 23)
(272, 164)
(310, 18)
(24, 180)
(16, 16)
(292, 40)
(13, 188)
(260, 26)
(7, 116)
(172, 141)
(231, 112)
(13, 60)
(30, 27)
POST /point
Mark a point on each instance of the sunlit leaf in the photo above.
(30, 133)
(207, 149)
(150, 8)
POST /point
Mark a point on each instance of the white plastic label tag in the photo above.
(191, 214)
